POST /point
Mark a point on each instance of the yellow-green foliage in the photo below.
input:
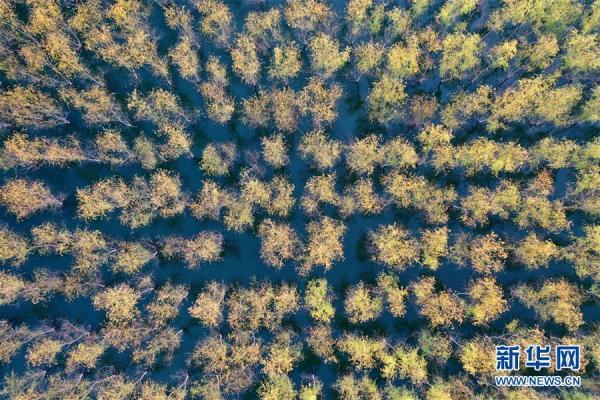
(218, 159)
(386, 99)
(274, 151)
(363, 155)
(208, 307)
(247, 190)
(487, 301)
(557, 300)
(533, 252)
(24, 198)
(325, 54)
(434, 246)
(318, 300)
(317, 148)
(21, 150)
(584, 252)
(286, 62)
(394, 294)
(392, 246)
(478, 357)
(13, 247)
(279, 243)
(362, 352)
(119, 302)
(205, 247)
(460, 54)
(362, 304)
(442, 308)
(415, 192)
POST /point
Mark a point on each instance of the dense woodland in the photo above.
(303, 199)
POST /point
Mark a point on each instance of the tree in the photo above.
(394, 295)
(321, 151)
(112, 148)
(165, 305)
(274, 150)
(584, 254)
(119, 302)
(539, 211)
(487, 301)
(411, 364)
(97, 104)
(286, 63)
(415, 192)
(318, 300)
(219, 105)
(533, 252)
(460, 54)
(208, 307)
(217, 159)
(23, 198)
(11, 288)
(20, 150)
(282, 197)
(14, 248)
(29, 108)
(205, 247)
(362, 352)
(556, 300)
(398, 153)
(501, 55)
(442, 308)
(435, 346)
(84, 356)
(281, 355)
(465, 106)
(452, 10)
(555, 16)
(348, 387)
(278, 387)
(44, 352)
(264, 28)
(324, 245)
(321, 342)
(542, 53)
(311, 391)
(285, 105)
(319, 189)
(366, 58)
(582, 52)
(184, 56)
(279, 243)
(486, 254)
(307, 16)
(386, 99)
(102, 198)
(392, 246)
(245, 59)
(534, 101)
(364, 155)
(362, 304)
(209, 202)
(478, 357)
(360, 197)
(131, 257)
(326, 57)
(217, 21)
(357, 16)
(403, 60)
(435, 246)
(320, 101)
